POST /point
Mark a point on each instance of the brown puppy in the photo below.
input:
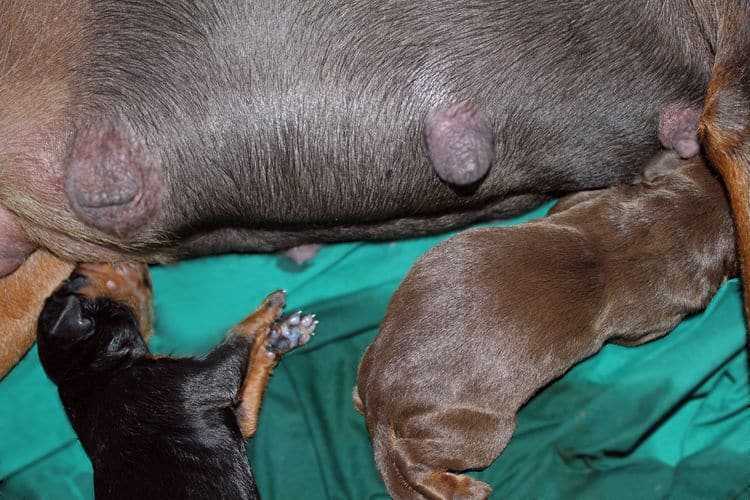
(489, 317)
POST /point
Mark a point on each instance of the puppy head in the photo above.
(82, 337)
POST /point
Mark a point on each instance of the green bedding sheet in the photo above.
(669, 419)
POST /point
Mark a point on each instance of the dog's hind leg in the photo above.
(22, 296)
(425, 462)
(271, 338)
(725, 123)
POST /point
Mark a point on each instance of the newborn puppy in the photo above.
(158, 427)
(489, 317)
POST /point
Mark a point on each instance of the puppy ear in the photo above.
(62, 317)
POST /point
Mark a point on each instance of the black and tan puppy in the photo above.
(489, 317)
(158, 427)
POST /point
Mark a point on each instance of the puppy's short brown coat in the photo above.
(487, 318)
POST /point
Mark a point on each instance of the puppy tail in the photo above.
(391, 462)
(384, 440)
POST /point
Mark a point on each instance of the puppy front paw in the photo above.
(293, 331)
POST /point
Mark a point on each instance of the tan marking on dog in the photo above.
(262, 362)
(126, 282)
(22, 296)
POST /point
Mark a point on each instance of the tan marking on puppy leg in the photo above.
(260, 320)
(262, 362)
(22, 296)
(125, 282)
(259, 372)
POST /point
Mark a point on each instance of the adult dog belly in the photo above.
(235, 125)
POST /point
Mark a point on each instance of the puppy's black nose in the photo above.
(63, 317)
